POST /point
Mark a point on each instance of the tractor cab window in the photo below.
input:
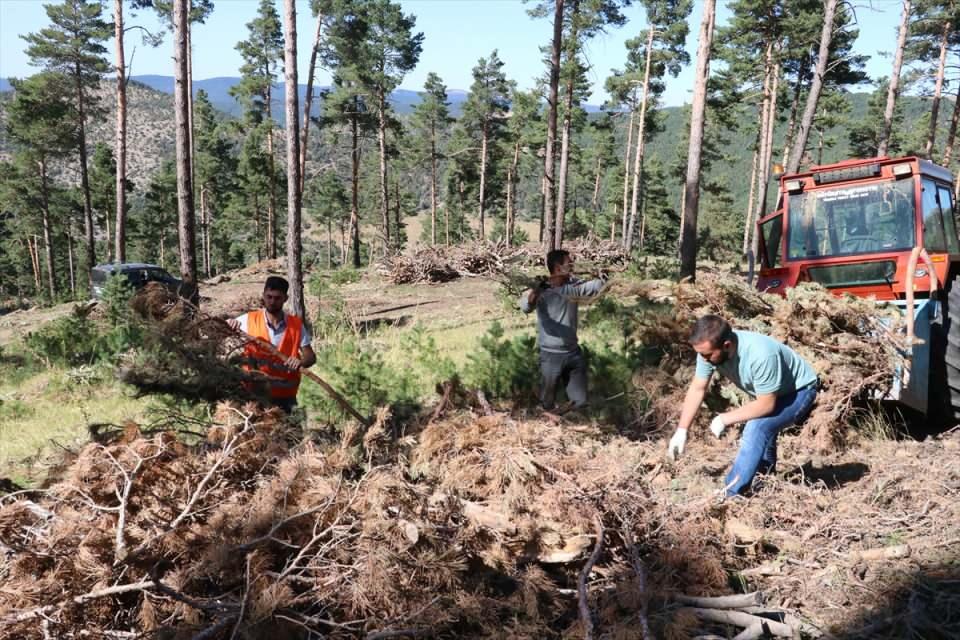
(934, 237)
(772, 233)
(949, 213)
(851, 220)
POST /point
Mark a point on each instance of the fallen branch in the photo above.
(737, 601)
(29, 614)
(740, 619)
(641, 572)
(584, 606)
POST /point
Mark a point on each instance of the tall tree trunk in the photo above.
(794, 107)
(626, 178)
(543, 202)
(751, 200)
(691, 191)
(384, 185)
(47, 230)
(257, 226)
(88, 229)
(185, 211)
(560, 216)
(952, 133)
(816, 85)
(549, 236)
(308, 104)
(272, 183)
(294, 240)
(511, 191)
(596, 186)
(894, 87)
(820, 145)
(71, 260)
(567, 123)
(937, 90)
(204, 232)
(763, 172)
(433, 184)
(355, 185)
(396, 215)
(32, 251)
(768, 117)
(190, 130)
(641, 137)
(483, 176)
(120, 235)
(329, 243)
(463, 207)
(108, 238)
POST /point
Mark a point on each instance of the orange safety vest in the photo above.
(283, 382)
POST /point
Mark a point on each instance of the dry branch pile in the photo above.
(254, 532)
(442, 264)
(470, 527)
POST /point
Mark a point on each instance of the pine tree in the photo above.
(523, 135)
(389, 49)
(865, 135)
(186, 235)
(153, 228)
(40, 126)
(215, 169)
(650, 57)
(262, 52)
(103, 194)
(430, 120)
(346, 105)
(294, 240)
(691, 194)
(585, 19)
(72, 46)
(325, 202)
(321, 10)
(816, 86)
(543, 9)
(934, 33)
(485, 111)
(893, 86)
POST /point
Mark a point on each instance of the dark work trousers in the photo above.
(569, 369)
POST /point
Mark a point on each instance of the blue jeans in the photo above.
(568, 369)
(758, 444)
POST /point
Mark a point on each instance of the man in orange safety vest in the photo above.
(287, 333)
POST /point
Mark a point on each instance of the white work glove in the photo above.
(677, 442)
(717, 426)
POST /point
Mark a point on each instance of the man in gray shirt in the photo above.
(561, 360)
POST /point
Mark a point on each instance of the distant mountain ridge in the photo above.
(218, 89)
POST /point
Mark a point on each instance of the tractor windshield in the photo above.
(851, 220)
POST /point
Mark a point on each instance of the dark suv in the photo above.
(138, 274)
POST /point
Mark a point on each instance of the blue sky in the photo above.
(457, 33)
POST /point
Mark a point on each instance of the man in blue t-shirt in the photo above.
(783, 387)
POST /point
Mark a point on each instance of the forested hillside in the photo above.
(469, 164)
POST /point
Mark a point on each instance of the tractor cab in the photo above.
(852, 227)
(883, 228)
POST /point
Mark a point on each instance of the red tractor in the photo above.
(884, 228)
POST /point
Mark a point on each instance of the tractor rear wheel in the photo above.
(945, 360)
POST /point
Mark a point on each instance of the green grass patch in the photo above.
(46, 412)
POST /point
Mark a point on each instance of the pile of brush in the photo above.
(474, 527)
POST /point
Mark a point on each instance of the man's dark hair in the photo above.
(555, 257)
(712, 328)
(276, 283)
